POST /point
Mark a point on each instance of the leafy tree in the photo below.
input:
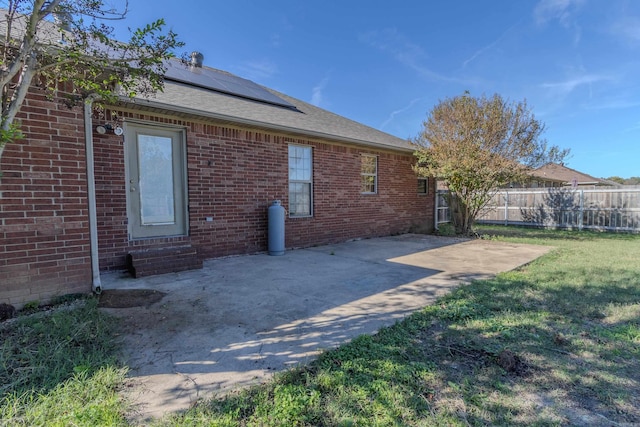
(617, 179)
(476, 145)
(52, 42)
(634, 180)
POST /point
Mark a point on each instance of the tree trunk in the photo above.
(460, 215)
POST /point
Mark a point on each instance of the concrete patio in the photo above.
(240, 319)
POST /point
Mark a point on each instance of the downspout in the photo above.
(96, 284)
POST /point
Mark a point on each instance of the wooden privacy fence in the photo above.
(614, 209)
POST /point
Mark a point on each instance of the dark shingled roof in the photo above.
(187, 92)
(301, 118)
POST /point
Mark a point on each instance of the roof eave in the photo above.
(546, 178)
(233, 119)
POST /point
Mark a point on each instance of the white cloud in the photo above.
(284, 25)
(486, 48)
(620, 103)
(317, 96)
(628, 29)
(391, 41)
(561, 10)
(406, 52)
(259, 69)
(479, 52)
(275, 40)
(565, 87)
(393, 114)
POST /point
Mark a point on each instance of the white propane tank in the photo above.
(276, 228)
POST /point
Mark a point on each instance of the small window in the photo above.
(369, 174)
(423, 186)
(300, 184)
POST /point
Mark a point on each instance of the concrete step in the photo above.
(150, 262)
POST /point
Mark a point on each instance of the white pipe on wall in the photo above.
(96, 283)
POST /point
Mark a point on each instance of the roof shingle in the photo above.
(305, 119)
(556, 172)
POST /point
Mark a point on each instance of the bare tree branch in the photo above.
(77, 48)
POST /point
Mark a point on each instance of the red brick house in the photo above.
(189, 175)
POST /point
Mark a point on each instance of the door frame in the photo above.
(132, 129)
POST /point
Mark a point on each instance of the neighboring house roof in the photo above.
(556, 172)
(189, 93)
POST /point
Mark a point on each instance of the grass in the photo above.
(59, 368)
(556, 342)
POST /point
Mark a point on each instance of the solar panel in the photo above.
(219, 81)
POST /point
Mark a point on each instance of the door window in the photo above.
(157, 181)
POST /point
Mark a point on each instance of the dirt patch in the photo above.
(7, 311)
(126, 298)
(512, 363)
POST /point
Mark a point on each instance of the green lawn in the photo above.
(59, 368)
(554, 343)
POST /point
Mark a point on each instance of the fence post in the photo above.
(437, 212)
(506, 208)
(580, 223)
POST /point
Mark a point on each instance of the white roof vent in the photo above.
(197, 59)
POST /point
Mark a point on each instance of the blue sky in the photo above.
(384, 64)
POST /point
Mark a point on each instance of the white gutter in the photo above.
(96, 284)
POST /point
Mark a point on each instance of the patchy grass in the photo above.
(58, 367)
(554, 343)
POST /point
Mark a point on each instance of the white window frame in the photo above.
(298, 177)
(365, 176)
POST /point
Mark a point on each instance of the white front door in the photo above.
(156, 181)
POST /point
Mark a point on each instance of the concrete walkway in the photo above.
(242, 318)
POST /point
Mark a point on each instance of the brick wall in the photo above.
(233, 176)
(44, 232)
